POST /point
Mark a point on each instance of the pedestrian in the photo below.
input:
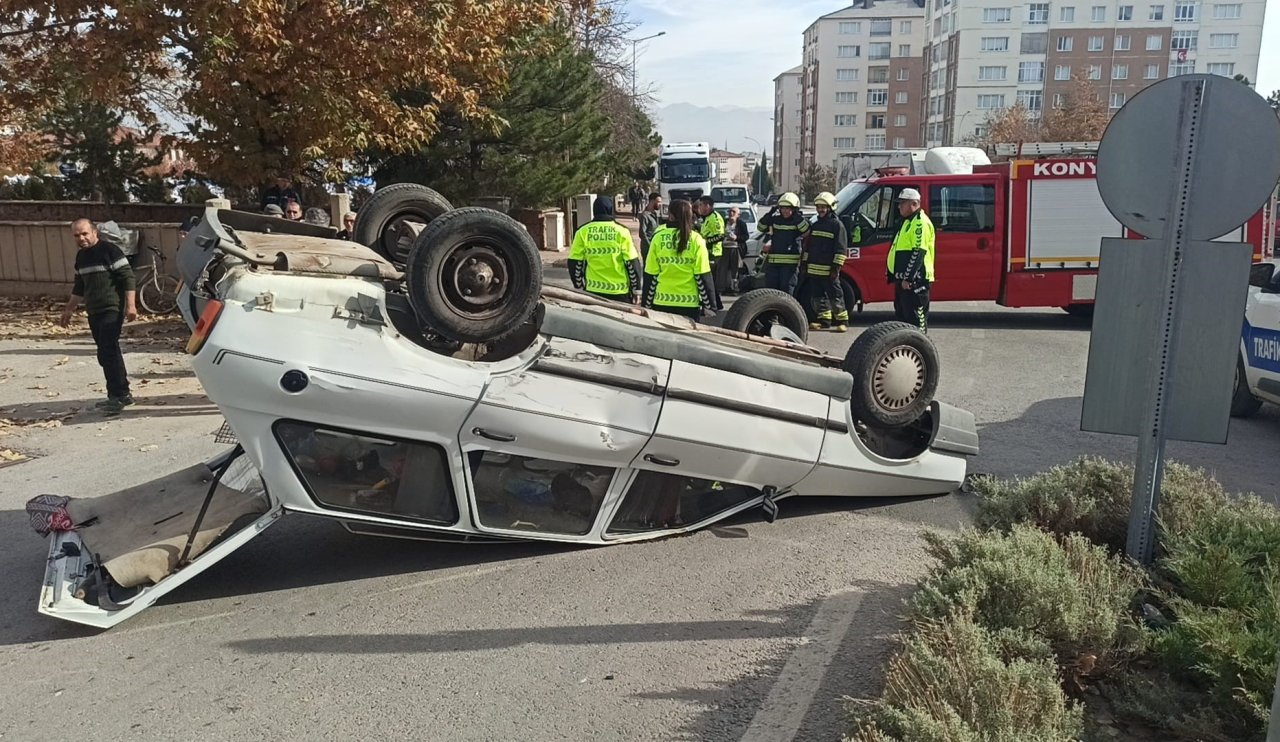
(603, 260)
(650, 221)
(785, 226)
(735, 243)
(317, 216)
(678, 268)
(273, 210)
(105, 284)
(280, 194)
(820, 266)
(711, 227)
(910, 264)
(636, 195)
(293, 211)
(348, 227)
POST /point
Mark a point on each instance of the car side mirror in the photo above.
(1261, 275)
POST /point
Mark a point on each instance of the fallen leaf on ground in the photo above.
(62, 361)
(150, 447)
(9, 454)
(38, 386)
(127, 438)
(52, 394)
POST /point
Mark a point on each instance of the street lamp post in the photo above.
(634, 43)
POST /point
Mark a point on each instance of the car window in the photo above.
(351, 471)
(657, 501)
(520, 493)
(963, 208)
(729, 195)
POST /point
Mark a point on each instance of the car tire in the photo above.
(1243, 403)
(850, 295)
(474, 275)
(381, 220)
(895, 372)
(754, 311)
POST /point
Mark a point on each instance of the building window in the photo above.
(1156, 14)
(1062, 72)
(1117, 100)
(876, 75)
(1226, 12)
(990, 102)
(899, 142)
(904, 28)
(1037, 13)
(1032, 100)
(937, 27)
(1184, 11)
(881, 26)
(846, 97)
(904, 74)
(900, 97)
(1096, 43)
(1184, 40)
(843, 143)
(1057, 100)
(877, 97)
(994, 44)
(1095, 72)
(1124, 13)
(875, 141)
(850, 27)
(1065, 43)
(1031, 72)
(1099, 14)
(1224, 40)
(845, 74)
(1119, 72)
(993, 73)
(1035, 43)
(878, 50)
(1155, 43)
(1182, 68)
(900, 120)
(1151, 72)
(1226, 69)
(846, 119)
(1122, 42)
(875, 121)
(1067, 14)
(904, 50)
(848, 51)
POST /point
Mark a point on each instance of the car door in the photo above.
(876, 221)
(1261, 340)
(967, 247)
(544, 444)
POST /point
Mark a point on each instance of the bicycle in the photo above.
(157, 290)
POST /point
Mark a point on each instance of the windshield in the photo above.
(849, 194)
(729, 195)
(692, 171)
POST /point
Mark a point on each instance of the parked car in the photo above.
(1258, 369)
(460, 399)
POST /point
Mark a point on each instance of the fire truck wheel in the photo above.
(1084, 311)
(474, 275)
(391, 218)
(895, 372)
(850, 295)
(1243, 403)
(755, 311)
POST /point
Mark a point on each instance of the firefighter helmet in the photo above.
(825, 199)
(789, 199)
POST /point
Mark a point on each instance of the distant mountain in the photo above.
(685, 122)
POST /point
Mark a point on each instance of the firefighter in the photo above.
(910, 264)
(677, 270)
(603, 260)
(785, 226)
(820, 266)
(712, 231)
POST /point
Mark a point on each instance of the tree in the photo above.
(815, 179)
(272, 87)
(1082, 117)
(1013, 124)
(102, 156)
(761, 181)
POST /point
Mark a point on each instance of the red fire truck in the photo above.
(1023, 233)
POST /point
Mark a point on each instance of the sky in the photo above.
(727, 53)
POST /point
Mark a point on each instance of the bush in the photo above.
(1067, 592)
(953, 681)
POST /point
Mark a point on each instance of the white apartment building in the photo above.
(986, 55)
(785, 167)
(861, 80)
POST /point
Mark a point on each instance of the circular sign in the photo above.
(1236, 141)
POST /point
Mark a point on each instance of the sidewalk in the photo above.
(553, 259)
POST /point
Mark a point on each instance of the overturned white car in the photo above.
(459, 399)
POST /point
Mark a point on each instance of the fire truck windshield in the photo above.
(850, 195)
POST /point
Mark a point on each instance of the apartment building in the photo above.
(785, 167)
(993, 54)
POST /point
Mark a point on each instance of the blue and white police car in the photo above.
(1258, 371)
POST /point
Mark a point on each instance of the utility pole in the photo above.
(755, 179)
(634, 44)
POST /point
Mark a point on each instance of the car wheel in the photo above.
(756, 311)
(895, 374)
(1243, 403)
(474, 275)
(383, 223)
(850, 295)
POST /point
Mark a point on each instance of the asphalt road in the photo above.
(748, 631)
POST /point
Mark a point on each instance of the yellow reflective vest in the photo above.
(606, 248)
(916, 233)
(677, 272)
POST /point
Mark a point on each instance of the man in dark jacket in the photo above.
(280, 194)
(105, 283)
(650, 221)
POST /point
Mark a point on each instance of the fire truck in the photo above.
(1022, 233)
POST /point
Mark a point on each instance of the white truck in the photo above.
(1258, 370)
(684, 171)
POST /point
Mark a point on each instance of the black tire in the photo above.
(1243, 403)
(159, 296)
(850, 295)
(380, 221)
(895, 373)
(474, 275)
(754, 311)
(1083, 311)
(746, 282)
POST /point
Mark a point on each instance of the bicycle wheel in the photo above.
(159, 295)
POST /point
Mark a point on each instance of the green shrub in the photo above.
(953, 681)
(1092, 496)
(1068, 592)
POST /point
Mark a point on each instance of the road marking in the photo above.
(445, 578)
(783, 711)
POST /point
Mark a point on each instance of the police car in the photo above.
(461, 400)
(1258, 369)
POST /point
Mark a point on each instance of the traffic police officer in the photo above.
(785, 225)
(910, 264)
(678, 266)
(603, 260)
(820, 267)
(712, 230)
